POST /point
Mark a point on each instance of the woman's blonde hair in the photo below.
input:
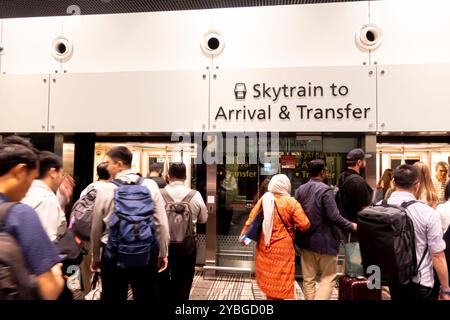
(426, 184)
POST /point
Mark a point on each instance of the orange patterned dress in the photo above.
(275, 264)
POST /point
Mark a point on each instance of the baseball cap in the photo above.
(357, 154)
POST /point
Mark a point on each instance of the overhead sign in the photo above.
(295, 99)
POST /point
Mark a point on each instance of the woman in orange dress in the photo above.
(275, 254)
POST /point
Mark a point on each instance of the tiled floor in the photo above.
(228, 286)
(232, 286)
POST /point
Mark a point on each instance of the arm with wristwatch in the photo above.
(440, 265)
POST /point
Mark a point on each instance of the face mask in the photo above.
(325, 181)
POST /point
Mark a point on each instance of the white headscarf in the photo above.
(279, 184)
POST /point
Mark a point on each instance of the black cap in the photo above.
(357, 154)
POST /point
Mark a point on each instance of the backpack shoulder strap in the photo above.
(421, 259)
(405, 205)
(189, 196)
(117, 182)
(349, 178)
(4, 210)
(140, 180)
(166, 196)
(408, 203)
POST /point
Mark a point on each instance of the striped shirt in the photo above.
(440, 189)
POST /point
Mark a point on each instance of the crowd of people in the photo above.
(137, 232)
(323, 219)
(123, 227)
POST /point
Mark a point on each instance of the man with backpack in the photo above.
(130, 227)
(185, 208)
(81, 220)
(30, 265)
(403, 237)
(320, 244)
(103, 177)
(354, 193)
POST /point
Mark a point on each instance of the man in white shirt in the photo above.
(176, 281)
(42, 195)
(103, 178)
(428, 234)
(85, 267)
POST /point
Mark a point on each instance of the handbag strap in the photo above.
(284, 224)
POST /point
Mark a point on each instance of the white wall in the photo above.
(414, 55)
(136, 42)
(291, 36)
(415, 31)
(28, 43)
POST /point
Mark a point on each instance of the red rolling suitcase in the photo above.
(356, 289)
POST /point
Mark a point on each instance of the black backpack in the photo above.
(387, 239)
(16, 283)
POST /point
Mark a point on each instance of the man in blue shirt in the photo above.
(320, 244)
(19, 162)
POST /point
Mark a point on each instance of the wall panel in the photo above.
(24, 103)
(158, 101)
(28, 45)
(413, 97)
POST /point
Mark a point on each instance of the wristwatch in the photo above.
(444, 292)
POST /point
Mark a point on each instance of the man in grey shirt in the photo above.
(115, 280)
(428, 233)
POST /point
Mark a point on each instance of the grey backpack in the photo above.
(180, 216)
(81, 216)
(16, 283)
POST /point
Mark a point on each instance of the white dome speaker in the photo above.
(62, 48)
(369, 37)
(212, 43)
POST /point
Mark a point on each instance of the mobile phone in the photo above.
(246, 240)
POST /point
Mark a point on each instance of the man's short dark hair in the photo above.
(177, 170)
(12, 154)
(121, 153)
(48, 160)
(155, 167)
(18, 140)
(315, 167)
(406, 176)
(102, 171)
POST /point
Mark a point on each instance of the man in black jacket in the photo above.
(354, 193)
(320, 244)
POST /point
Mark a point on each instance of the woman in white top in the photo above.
(444, 209)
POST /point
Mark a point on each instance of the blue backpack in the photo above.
(131, 227)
